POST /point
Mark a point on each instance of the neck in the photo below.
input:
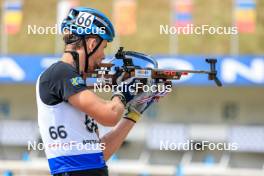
(67, 57)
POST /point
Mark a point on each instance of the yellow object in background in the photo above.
(12, 16)
(246, 15)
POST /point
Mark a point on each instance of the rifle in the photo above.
(160, 76)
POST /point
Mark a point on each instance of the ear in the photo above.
(91, 44)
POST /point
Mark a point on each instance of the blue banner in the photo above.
(232, 71)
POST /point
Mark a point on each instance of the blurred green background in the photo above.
(150, 15)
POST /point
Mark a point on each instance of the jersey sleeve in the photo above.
(67, 82)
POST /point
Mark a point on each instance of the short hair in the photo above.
(76, 41)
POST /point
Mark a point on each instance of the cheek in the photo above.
(98, 59)
(101, 56)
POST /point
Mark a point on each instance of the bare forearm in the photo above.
(116, 136)
(117, 107)
(109, 112)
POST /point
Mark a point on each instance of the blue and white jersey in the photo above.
(69, 135)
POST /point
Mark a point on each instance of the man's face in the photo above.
(99, 55)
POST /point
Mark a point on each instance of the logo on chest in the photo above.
(90, 124)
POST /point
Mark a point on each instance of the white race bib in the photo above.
(85, 19)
